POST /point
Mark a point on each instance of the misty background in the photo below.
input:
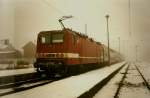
(22, 20)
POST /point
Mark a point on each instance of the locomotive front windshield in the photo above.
(45, 39)
(57, 38)
(52, 38)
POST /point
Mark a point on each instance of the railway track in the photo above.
(129, 82)
(10, 88)
(125, 82)
(144, 79)
(121, 83)
(23, 87)
(100, 85)
(17, 85)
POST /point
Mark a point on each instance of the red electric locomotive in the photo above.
(65, 51)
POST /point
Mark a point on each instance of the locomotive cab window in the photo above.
(45, 39)
(58, 38)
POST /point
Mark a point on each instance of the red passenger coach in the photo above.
(61, 51)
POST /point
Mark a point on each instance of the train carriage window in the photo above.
(45, 39)
(57, 38)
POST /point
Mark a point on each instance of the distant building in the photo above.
(7, 51)
(4, 42)
(29, 50)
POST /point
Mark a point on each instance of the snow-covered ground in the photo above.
(110, 89)
(70, 87)
(14, 66)
(145, 70)
(16, 72)
(133, 85)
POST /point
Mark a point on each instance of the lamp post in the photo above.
(107, 17)
(86, 29)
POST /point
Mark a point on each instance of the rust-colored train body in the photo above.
(62, 50)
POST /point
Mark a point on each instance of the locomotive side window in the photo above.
(57, 38)
(46, 39)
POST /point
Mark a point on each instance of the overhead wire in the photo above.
(46, 2)
(57, 9)
(51, 5)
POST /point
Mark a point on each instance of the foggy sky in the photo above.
(7, 20)
(22, 20)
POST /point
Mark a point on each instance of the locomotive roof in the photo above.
(43, 32)
(71, 31)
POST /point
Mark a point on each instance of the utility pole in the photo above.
(130, 32)
(86, 29)
(107, 17)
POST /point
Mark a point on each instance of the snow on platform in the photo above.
(70, 87)
(109, 90)
(16, 72)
